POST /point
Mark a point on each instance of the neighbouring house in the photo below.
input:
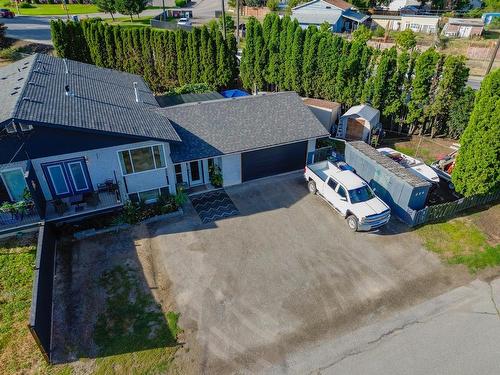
(420, 23)
(396, 5)
(387, 22)
(327, 112)
(359, 123)
(341, 15)
(463, 27)
(81, 140)
(417, 23)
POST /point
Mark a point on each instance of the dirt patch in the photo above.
(109, 291)
(487, 221)
(23, 49)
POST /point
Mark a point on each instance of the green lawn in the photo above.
(133, 333)
(460, 241)
(423, 153)
(126, 22)
(56, 9)
(18, 351)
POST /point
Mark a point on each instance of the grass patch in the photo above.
(133, 334)
(18, 351)
(56, 9)
(126, 22)
(459, 241)
(423, 153)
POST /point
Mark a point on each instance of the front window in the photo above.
(142, 159)
(361, 194)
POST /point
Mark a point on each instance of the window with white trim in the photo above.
(142, 159)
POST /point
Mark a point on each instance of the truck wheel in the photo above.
(352, 222)
(312, 187)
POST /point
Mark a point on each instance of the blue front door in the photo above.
(67, 177)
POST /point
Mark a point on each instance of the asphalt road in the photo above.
(455, 333)
(36, 29)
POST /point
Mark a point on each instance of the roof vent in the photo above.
(136, 92)
(26, 99)
(14, 92)
(68, 91)
(65, 61)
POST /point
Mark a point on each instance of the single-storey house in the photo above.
(339, 14)
(463, 27)
(420, 23)
(359, 123)
(80, 139)
(327, 112)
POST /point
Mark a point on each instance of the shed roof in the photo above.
(478, 22)
(320, 103)
(103, 99)
(341, 4)
(362, 110)
(171, 100)
(240, 124)
(355, 16)
(389, 164)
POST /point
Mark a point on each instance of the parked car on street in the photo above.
(184, 22)
(6, 13)
(349, 194)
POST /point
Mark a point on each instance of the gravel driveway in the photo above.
(286, 273)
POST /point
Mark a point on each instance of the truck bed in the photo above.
(320, 169)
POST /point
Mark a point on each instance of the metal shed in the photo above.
(401, 190)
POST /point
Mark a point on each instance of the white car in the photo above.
(349, 194)
(184, 22)
(417, 167)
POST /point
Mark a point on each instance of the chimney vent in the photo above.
(136, 92)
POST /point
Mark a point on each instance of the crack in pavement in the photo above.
(366, 347)
(492, 297)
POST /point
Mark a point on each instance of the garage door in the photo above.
(274, 160)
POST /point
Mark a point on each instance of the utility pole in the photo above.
(163, 6)
(237, 22)
(493, 56)
(223, 20)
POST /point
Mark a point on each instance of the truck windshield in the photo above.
(361, 194)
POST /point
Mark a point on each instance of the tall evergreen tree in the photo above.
(295, 69)
(425, 68)
(477, 167)
(273, 48)
(248, 56)
(260, 57)
(451, 87)
(460, 112)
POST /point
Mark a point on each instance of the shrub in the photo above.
(26, 6)
(180, 3)
(379, 32)
(11, 54)
(272, 5)
(3, 28)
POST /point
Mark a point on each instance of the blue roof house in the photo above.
(77, 140)
(339, 14)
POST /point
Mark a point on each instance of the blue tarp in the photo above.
(234, 93)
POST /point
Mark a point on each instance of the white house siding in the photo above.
(101, 164)
(398, 4)
(421, 24)
(231, 169)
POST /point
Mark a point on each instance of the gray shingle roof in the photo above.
(103, 100)
(170, 100)
(240, 124)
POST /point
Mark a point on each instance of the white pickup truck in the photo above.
(349, 194)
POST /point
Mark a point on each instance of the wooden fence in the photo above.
(446, 210)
